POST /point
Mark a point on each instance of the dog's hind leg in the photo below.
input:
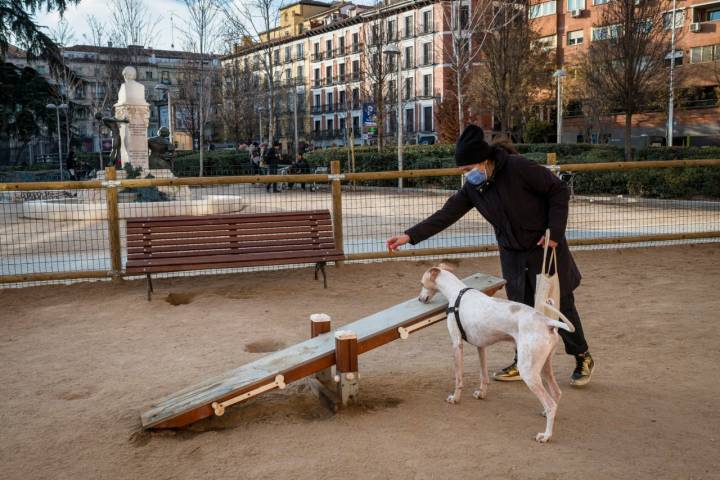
(549, 377)
(481, 392)
(531, 375)
(458, 357)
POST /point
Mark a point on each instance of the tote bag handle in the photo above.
(553, 257)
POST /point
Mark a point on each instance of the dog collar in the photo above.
(455, 310)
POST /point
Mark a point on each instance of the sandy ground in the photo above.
(79, 363)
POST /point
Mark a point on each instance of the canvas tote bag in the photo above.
(547, 287)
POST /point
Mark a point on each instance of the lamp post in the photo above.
(259, 109)
(166, 90)
(394, 51)
(559, 74)
(671, 105)
(57, 108)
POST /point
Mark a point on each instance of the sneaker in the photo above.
(508, 374)
(583, 370)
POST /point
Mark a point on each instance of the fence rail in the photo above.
(54, 231)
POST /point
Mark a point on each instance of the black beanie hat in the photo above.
(471, 146)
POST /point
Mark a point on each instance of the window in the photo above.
(276, 55)
(408, 57)
(317, 125)
(288, 74)
(547, 42)
(341, 124)
(374, 35)
(165, 78)
(329, 101)
(427, 53)
(356, 69)
(575, 38)
(329, 124)
(317, 77)
(341, 72)
(410, 120)
(288, 54)
(576, 4)
(341, 45)
(316, 51)
(356, 97)
(300, 74)
(408, 26)
(428, 119)
(712, 15)
(341, 97)
(427, 85)
(328, 75)
(299, 51)
(600, 2)
(464, 16)
(148, 75)
(679, 19)
(605, 33)
(427, 21)
(706, 53)
(391, 30)
(356, 124)
(328, 48)
(408, 93)
(356, 42)
(543, 9)
(316, 101)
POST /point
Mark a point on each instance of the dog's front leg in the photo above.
(481, 392)
(458, 356)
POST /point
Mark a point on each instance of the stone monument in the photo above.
(131, 105)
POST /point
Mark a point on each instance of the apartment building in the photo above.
(570, 26)
(322, 63)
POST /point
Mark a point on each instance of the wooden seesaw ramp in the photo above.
(313, 356)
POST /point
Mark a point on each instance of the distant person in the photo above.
(271, 161)
(70, 163)
(299, 167)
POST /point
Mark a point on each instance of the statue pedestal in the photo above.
(180, 192)
(134, 143)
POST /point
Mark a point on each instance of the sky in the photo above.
(76, 16)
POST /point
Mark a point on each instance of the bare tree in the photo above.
(378, 68)
(237, 109)
(253, 20)
(468, 23)
(201, 32)
(132, 23)
(515, 68)
(63, 35)
(626, 60)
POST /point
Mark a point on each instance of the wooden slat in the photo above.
(238, 263)
(225, 226)
(296, 362)
(230, 258)
(228, 244)
(197, 241)
(243, 233)
(221, 217)
(229, 250)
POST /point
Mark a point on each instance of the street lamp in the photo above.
(161, 87)
(394, 51)
(559, 74)
(260, 109)
(57, 108)
(670, 133)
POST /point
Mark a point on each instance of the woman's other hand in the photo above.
(551, 243)
(393, 243)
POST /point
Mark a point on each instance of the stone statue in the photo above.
(131, 91)
(162, 152)
(112, 124)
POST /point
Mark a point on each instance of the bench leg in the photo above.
(320, 266)
(149, 287)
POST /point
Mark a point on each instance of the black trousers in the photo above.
(522, 290)
(272, 170)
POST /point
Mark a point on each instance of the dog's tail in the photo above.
(565, 324)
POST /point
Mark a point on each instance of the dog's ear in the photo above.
(434, 272)
(446, 267)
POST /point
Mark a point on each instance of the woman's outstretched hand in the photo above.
(393, 243)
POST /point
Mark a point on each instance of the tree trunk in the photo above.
(628, 138)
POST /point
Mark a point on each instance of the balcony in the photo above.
(329, 81)
(342, 51)
(317, 83)
(426, 62)
(355, 48)
(316, 57)
(342, 78)
(299, 57)
(408, 63)
(355, 77)
(316, 109)
(426, 28)
(329, 54)
(409, 33)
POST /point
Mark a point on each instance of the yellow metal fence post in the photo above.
(337, 206)
(113, 219)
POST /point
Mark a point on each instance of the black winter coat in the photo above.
(520, 200)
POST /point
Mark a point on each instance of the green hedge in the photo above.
(216, 162)
(660, 183)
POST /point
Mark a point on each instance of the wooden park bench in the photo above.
(185, 243)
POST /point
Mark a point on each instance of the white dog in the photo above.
(485, 321)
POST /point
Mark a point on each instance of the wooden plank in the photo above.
(330, 257)
(200, 227)
(180, 218)
(232, 258)
(198, 241)
(306, 230)
(230, 250)
(228, 244)
(295, 362)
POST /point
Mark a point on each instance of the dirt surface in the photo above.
(78, 364)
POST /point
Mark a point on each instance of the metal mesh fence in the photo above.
(66, 231)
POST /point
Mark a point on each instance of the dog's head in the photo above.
(428, 282)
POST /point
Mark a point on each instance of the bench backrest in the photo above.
(270, 234)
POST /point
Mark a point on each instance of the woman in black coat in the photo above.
(520, 199)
